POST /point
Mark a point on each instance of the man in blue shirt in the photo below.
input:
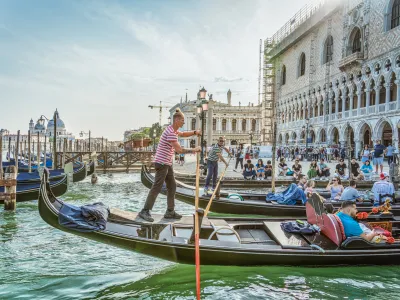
(389, 153)
(350, 193)
(379, 151)
(351, 226)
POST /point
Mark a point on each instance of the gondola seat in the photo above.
(356, 242)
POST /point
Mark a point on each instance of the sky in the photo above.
(101, 63)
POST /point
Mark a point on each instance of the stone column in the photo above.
(344, 96)
(330, 100)
(304, 111)
(377, 98)
(210, 124)
(351, 102)
(387, 96)
(397, 82)
(367, 99)
(358, 148)
(336, 103)
(358, 102)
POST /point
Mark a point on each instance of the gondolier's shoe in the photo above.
(145, 215)
(171, 214)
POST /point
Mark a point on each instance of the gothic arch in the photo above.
(390, 20)
(379, 127)
(301, 67)
(364, 133)
(355, 41)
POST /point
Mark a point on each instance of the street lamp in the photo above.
(81, 135)
(153, 135)
(202, 109)
(306, 128)
(251, 139)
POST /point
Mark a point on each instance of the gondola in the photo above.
(90, 168)
(79, 173)
(240, 183)
(253, 204)
(29, 192)
(232, 241)
(34, 177)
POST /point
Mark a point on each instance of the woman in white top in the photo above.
(365, 154)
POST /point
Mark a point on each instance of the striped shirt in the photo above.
(165, 151)
(213, 153)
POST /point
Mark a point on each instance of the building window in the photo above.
(224, 125)
(328, 49)
(302, 64)
(395, 21)
(234, 125)
(253, 125)
(283, 75)
(243, 125)
(214, 124)
(357, 41)
(193, 124)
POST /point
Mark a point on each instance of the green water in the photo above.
(40, 262)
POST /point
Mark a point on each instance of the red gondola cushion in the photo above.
(341, 227)
(331, 229)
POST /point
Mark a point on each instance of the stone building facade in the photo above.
(337, 64)
(238, 124)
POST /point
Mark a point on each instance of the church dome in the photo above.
(39, 127)
(60, 123)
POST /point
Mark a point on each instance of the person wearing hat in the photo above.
(382, 187)
(215, 155)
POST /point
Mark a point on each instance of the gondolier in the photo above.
(214, 155)
(166, 149)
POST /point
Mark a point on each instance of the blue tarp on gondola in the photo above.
(288, 196)
(86, 218)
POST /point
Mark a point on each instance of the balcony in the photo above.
(353, 58)
(381, 107)
(363, 111)
(392, 106)
(371, 109)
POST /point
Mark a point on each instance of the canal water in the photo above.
(40, 262)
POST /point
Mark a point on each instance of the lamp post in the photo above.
(88, 133)
(202, 108)
(251, 139)
(153, 135)
(306, 128)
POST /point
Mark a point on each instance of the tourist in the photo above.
(296, 169)
(367, 169)
(351, 227)
(181, 159)
(302, 182)
(328, 154)
(260, 169)
(313, 171)
(365, 154)
(278, 154)
(335, 187)
(379, 151)
(268, 169)
(323, 169)
(350, 193)
(340, 170)
(282, 167)
(167, 145)
(247, 155)
(249, 170)
(310, 185)
(239, 157)
(215, 155)
(355, 170)
(336, 154)
(389, 153)
(382, 187)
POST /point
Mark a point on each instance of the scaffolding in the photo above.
(268, 108)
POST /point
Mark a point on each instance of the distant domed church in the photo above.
(41, 128)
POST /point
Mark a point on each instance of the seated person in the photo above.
(310, 185)
(248, 170)
(260, 169)
(282, 167)
(355, 172)
(382, 187)
(367, 169)
(351, 227)
(350, 193)
(268, 169)
(302, 182)
(323, 169)
(313, 171)
(335, 187)
(296, 169)
(340, 170)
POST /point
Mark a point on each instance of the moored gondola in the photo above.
(79, 173)
(231, 241)
(29, 192)
(254, 204)
(90, 168)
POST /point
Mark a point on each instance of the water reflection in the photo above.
(8, 225)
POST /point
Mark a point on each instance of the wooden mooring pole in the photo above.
(29, 152)
(38, 151)
(1, 155)
(10, 188)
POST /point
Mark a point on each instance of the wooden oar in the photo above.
(216, 188)
(196, 224)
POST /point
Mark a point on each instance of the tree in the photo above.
(157, 129)
(138, 135)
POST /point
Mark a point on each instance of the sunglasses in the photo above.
(334, 180)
